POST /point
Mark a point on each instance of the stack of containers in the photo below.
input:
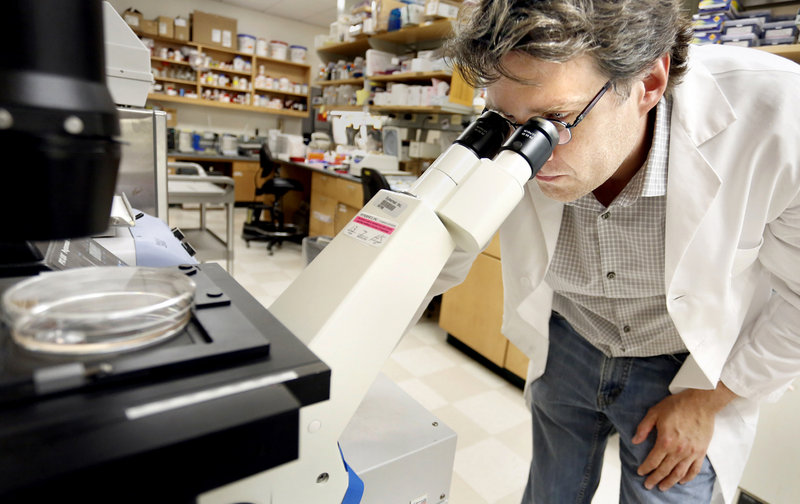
(710, 18)
(759, 28)
(746, 31)
(781, 30)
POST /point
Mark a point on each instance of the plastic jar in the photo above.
(297, 53)
(247, 43)
(278, 49)
(262, 47)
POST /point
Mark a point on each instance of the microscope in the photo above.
(353, 303)
(349, 307)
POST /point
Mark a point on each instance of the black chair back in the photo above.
(268, 165)
(372, 181)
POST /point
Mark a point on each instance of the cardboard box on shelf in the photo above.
(213, 30)
(166, 27)
(148, 27)
(133, 17)
(181, 28)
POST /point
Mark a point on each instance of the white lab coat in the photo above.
(732, 236)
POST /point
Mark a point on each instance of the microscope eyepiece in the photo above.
(534, 141)
(486, 134)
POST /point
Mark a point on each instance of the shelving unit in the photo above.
(428, 35)
(411, 77)
(345, 49)
(791, 52)
(233, 106)
(409, 36)
(295, 73)
(339, 82)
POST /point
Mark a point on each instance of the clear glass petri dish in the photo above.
(98, 310)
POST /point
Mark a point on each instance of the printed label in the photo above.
(370, 229)
(392, 205)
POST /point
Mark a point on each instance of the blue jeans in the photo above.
(584, 397)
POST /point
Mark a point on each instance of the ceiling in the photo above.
(315, 12)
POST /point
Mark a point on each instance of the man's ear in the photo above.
(655, 84)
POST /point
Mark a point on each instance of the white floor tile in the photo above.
(491, 469)
(480, 372)
(423, 393)
(462, 493)
(494, 412)
(456, 384)
(518, 438)
(424, 360)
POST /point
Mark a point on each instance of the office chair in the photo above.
(275, 230)
(372, 181)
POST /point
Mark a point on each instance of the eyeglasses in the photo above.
(564, 129)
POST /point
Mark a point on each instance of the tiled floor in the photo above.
(487, 413)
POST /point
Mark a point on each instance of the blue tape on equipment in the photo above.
(355, 487)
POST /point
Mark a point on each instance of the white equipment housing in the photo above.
(356, 299)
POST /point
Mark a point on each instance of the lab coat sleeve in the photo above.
(454, 272)
(766, 359)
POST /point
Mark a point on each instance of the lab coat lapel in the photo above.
(691, 188)
(700, 111)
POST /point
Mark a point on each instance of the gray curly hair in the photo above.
(624, 37)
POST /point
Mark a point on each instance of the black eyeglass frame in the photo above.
(581, 116)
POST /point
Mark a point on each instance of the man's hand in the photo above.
(684, 423)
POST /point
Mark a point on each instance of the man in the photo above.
(662, 235)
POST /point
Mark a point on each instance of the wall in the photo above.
(258, 24)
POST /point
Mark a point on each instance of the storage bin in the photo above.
(278, 49)
(728, 7)
(702, 37)
(778, 41)
(297, 53)
(262, 48)
(742, 40)
(780, 30)
(712, 22)
(247, 43)
(743, 26)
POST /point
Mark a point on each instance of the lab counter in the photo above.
(337, 197)
(246, 173)
(244, 170)
(333, 198)
(215, 156)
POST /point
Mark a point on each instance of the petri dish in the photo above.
(98, 310)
